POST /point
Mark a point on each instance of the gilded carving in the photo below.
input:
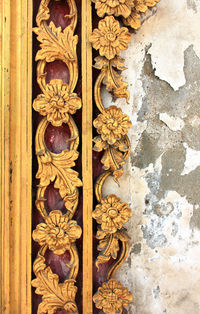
(111, 297)
(112, 126)
(111, 214)
(140, 6)
(109, 38)
(57, 104)
(54, 294)
(58, 232)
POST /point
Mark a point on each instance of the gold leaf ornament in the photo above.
(57, 168)
(55, 295)
(55, 43)
(111, 213)
(57, 102)
(109, 38)
(113, 7)
(109, 244)
(57, 232)
(112, 125)
(111, 297)
(140, 6)
(112, 79)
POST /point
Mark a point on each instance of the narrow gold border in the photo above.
(87, 157)
(4, 153)
(16, 155)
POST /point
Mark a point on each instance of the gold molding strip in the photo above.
(57, 104)
(5, 154)
(16, 155)
(87, 157)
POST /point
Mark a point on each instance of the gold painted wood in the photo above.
(16, 155)
(112, 127)
(57, 104)
(87, 157)
(5, 155)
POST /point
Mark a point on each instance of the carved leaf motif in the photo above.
(58, 167)
(112, 79)
(109, 245)
(55, 43)
(113, 160)
(43, 14)
(54, 295)
(133, 20)
(115, 84)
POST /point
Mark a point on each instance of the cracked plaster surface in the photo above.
(163, 171)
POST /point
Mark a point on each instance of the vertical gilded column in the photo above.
(57, 103)
(87, 157)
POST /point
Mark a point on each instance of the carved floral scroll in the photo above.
(112, 126)
(57, 103)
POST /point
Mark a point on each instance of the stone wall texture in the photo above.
(162, 178)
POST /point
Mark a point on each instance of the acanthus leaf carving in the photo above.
(55, 43)
(54, 294)
(111, 78)
(57, 104)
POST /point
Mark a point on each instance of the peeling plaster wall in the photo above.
(163, 171)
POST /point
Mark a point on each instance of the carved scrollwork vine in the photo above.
(57, 104)
(112, 126)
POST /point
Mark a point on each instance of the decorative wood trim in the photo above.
(16, 155)
(4, 154)
(112, 127)
(57, 104)
(87, 157)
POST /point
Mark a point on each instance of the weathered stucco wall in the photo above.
(163, 172)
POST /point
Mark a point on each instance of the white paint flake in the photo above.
(175, 124)
(192, 160)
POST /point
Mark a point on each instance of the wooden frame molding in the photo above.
(16, 155)
(87, 157)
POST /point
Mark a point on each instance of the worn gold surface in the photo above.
(87, 157)
(111, 297)
(57, 104)
(112, 126)
(16, 155)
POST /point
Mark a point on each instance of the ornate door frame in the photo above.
(16, 147)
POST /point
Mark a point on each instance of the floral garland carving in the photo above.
(57, 104)
(112, 127)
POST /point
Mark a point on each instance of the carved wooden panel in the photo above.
(53, 183)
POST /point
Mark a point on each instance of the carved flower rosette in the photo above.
(57, 103)
(112, 127)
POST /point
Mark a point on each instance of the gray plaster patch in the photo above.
(195, 219)
(174, 229)
(136, 248)
(191, 4)
(158, 138)
(146, 152)
(171, 179)
(183, 104)
(156, 292)
(153, 234)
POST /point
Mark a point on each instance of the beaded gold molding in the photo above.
(112, 127)
(57, 104)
